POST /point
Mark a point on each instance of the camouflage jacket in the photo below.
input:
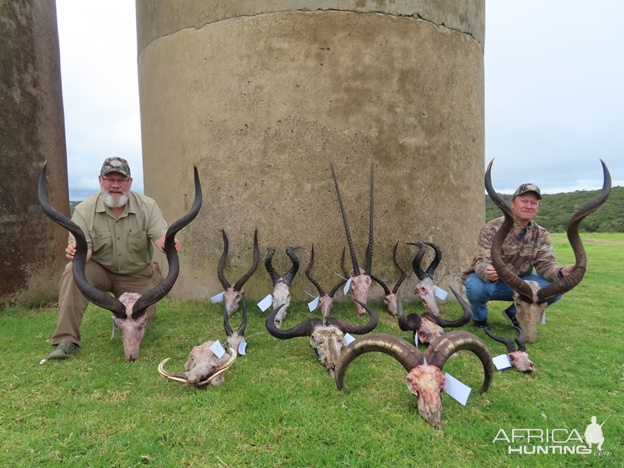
(520, 255)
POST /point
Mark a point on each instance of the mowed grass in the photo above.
(278, 406)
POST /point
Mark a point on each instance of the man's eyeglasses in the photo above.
(112, 181)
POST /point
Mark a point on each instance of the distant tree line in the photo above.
(557, 209)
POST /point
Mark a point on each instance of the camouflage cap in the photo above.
(115, 165)
(524, 188)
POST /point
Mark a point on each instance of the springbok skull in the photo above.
(517, 358)
(425, 287)
(233, 294)
(390, 297)
(129, 310)
(360, 280)
(281, 284)
(428, 327)
(203, 367)
(425, 378)
(326, 300)
(529, 298)
(327, 337)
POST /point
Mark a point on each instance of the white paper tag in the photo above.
(242, 347)
(312, 305)
(217, 349)
(456, 389)
(501, 362)
(543, 318)
(348, 339)
(42, 361)
(416, 339)
(113, 333)
(217, 298)
(345, 290)
(265, 303)
(439, 293)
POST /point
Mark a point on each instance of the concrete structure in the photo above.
(263, 95)
(32, 129)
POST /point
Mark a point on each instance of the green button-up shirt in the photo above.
(122, 245)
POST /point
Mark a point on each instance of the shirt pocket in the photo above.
(138, 241)
(101, 240)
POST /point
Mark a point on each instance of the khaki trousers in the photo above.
(72, 303)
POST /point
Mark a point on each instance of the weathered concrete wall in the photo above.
(262, 96)
(32, 130)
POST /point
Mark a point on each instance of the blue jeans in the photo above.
(478, 293)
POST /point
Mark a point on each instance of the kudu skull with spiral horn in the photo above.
(425, 378)
(129, 310)
(529, 298)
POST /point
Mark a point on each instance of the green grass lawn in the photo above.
(278, 407)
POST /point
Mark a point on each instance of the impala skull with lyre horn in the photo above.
(390, 296)
(233, 294)
(425, 287)
(529, 298)
(326, 300)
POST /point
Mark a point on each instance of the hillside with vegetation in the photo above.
(557, 209)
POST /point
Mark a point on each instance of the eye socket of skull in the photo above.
(512, 358)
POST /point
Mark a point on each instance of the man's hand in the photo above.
(566, 270)
(70, 251)
(160, 243)
(490, 274)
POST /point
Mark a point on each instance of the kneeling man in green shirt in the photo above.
(120, 226)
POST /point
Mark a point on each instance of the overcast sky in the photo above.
(554, 91)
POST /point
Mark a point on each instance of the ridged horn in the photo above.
(356, 269)
(413, 320)
(446, 345)
(347, 327)
(256, 260)
(303, 329)
(420, 273)
(226, 321)
(508, 342)
(404, 352)
(290, 251)
(465, 318)
(369, 247)
(157, 293)
(93, 294)
(268, 264)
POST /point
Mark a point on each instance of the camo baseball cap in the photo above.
(115, 165)
(524, 188)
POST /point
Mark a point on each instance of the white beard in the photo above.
(117, 201)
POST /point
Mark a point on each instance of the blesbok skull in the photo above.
(428, 327)
(360, 280)
(326, 301)
(425, 287)
(326, 337)
(425, 378)
(390, 296)
(518, 358)
(281, 284)
(530, 299)
(203, 367)
(129, 310)
(233, 294)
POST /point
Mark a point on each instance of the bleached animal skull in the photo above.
(425, 378)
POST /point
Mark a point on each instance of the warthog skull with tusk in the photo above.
(204, 367)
